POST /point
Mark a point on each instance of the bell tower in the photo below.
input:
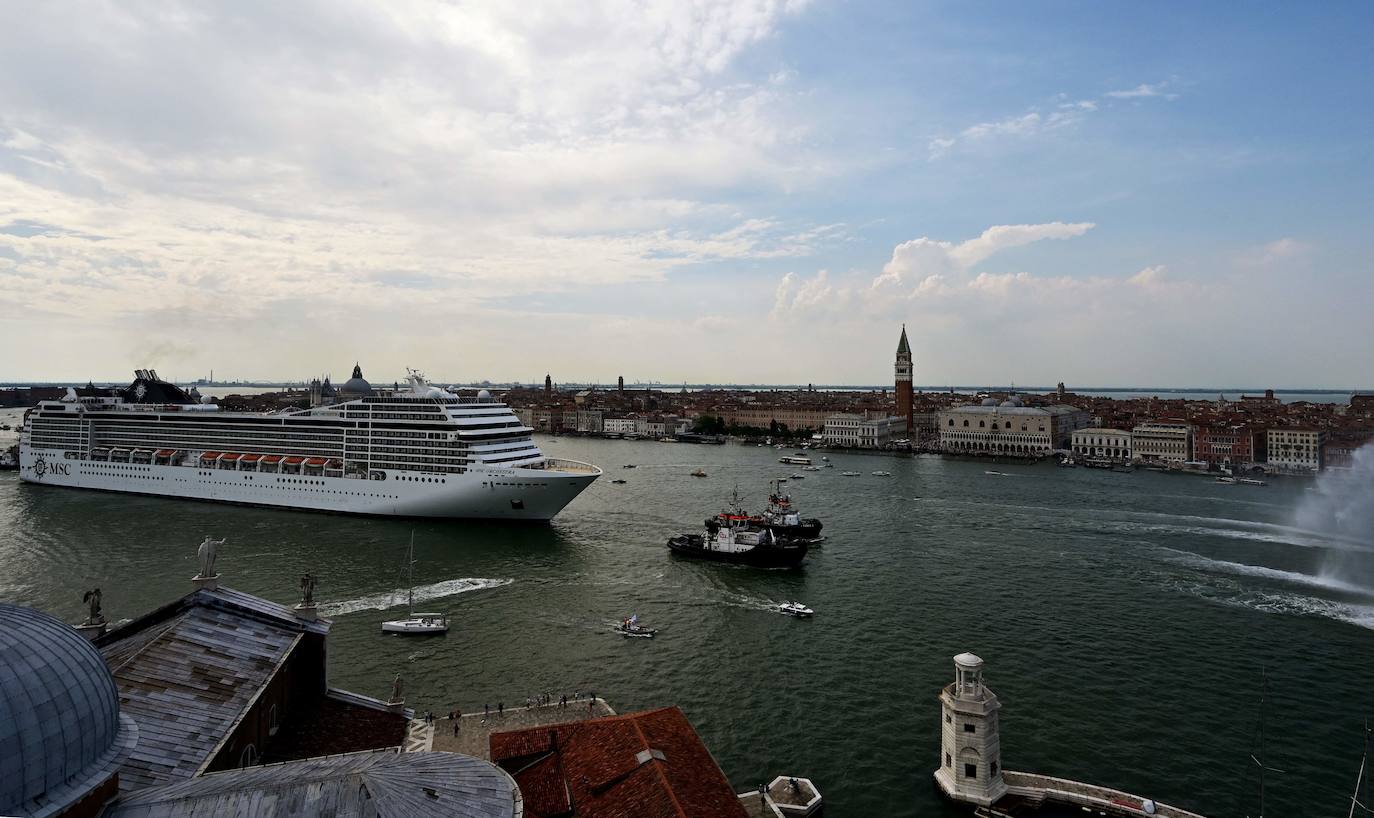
(903, 367)
(970, 750)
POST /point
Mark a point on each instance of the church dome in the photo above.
(61, 732)
(989, 401)
(1012, 402)
(356, 385)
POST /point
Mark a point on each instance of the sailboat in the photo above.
(415, 623)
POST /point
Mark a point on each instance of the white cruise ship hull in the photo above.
(484, 493)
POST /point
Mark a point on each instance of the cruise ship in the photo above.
(415, 451)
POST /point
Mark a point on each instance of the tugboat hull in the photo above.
(783, 554)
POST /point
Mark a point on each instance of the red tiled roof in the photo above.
(610, 768)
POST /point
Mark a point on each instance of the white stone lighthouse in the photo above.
(970, 751)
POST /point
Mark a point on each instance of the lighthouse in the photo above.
(970, 751)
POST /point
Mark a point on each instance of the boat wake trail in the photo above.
(423, 593)
(1265, 572)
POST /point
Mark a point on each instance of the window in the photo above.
(970, 728)
(993, 769)
(970, 771)
(948, 718)
(949, 762)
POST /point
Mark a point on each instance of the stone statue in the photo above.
(396, 688)
(207, 552)
(307, 590)
(92, 598)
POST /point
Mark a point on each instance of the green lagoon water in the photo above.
(1126, 619)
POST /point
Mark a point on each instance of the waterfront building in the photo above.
(1009, 428)
(904, 367)
(1104, 444)
(970, 747)
(842, 430)
(1296, 450)
(1223, 446)
(640, 764)
(589, 421)
(1162, 442)
(628, 425)
(1267, 400)
(796, 419)
(859, 432)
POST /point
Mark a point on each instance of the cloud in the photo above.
(1034, 123)
(1143, 90)
(217, 168)
(915, 261)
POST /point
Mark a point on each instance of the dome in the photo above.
(60, 726)
(327, 388)
(356, 385)
(1012, 402)
(990, 401)
(968, 660)
(483, 394)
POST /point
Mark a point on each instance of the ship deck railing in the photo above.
(573, 466)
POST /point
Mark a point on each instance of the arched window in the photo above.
(248, 757)
(981, 424)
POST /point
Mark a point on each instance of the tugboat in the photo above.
(631, 627)
(738, 544)
(781, 517)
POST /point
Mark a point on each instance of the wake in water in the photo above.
(1264, 572)
(423, 593)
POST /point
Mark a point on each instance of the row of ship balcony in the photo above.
(309, 465)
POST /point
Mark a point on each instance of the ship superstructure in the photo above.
(416, 450)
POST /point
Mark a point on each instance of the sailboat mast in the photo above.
(410, 582)
(1355, 798)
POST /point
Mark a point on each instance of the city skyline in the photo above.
(1098, 195)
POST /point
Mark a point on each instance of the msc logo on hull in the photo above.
(41, 467)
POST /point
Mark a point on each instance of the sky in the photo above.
(760, 191)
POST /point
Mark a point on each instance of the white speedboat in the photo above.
(795, 609)
(1250, 481)
(811, 468)
(798, 476)
(1229, 480)
(849, 474)
(882, 474)
(415, 623)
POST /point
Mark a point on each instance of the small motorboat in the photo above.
(795, 609)
(628, 466)
(827, 459)
(830, 465)
(996, 473)
(618, 482)
(798, 476)
(1227, 480)
(811, 468)
(849, 474)
(882, 474)
(631, 628)
(698, 473)
(1250, 481)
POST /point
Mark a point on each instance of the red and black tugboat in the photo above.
(781, 517)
